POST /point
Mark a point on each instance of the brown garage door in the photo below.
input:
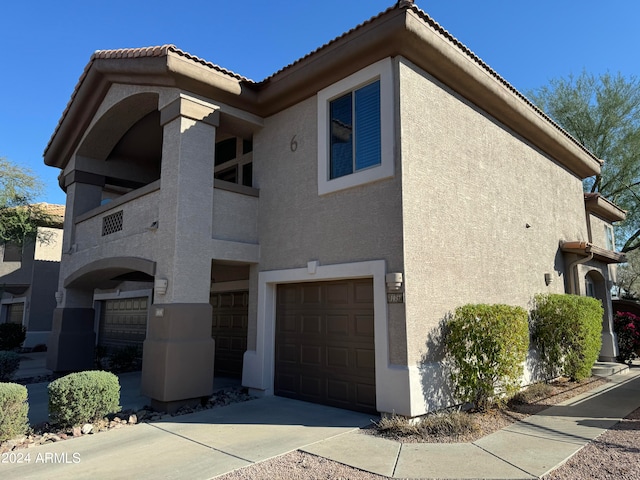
(324, 344)
(123, 322)
(229, 330)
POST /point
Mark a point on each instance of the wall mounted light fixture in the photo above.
(548, 279)
(160, 286)
(394, 281)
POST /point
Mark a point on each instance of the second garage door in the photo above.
(123, 322)
(325, 344)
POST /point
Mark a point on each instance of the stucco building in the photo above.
(311, 230)
(29, 278)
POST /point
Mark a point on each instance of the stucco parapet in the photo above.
(190, 107)
(128, 197)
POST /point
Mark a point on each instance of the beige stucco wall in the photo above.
(470, 187)
(296, 225)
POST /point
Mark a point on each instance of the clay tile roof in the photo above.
(156, 51)
(52, 209)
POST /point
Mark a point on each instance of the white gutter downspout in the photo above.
(573, 272)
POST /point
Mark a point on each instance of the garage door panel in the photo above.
(338, 357)
(229, 326)
(362, 293)
(310, 324)
(338, 324)
(311, 355)
(338, 294)
(363, 325)
(123, 322)
(338, 391)
(365, 359)
(335, 359)
(366, 396)
(309, 295)
(287, 354)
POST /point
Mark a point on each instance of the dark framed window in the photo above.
(355, 131)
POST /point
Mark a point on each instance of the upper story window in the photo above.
(608, 236)
(233, 161)
(355, 129)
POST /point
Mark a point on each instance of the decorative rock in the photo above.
(87, 428)
(77, 431)
(133, 419)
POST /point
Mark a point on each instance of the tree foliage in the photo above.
(603, 113)
(628, 276)
(19, 216)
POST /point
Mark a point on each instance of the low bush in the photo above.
(83, 397)
(533, 393)
(125, 359)
(13, 410)
(486, 346)
(567, 332)
(627, 328)
(446, 423)
(9, 364)
(12, 336)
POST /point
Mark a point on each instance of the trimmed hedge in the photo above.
(12, 336)
(9, 364)
(83, 397)
(13, 410)
(486, 346)
(567, 331)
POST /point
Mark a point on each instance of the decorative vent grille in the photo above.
(112, 223)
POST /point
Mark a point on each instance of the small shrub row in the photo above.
(83, 397)
(12, 336)
(486, 346)
(9, 364)
(627, 328)
(13, 410)
(567, 331)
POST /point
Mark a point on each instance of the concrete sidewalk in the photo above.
(212, 442)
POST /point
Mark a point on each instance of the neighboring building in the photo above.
(318, 224)
(29, 279)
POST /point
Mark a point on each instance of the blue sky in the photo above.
(46, 45)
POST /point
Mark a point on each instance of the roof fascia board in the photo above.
(433, 52)
(604, 208)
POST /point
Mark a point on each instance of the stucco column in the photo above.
(72, 341)
(71, 345)
(178, 352)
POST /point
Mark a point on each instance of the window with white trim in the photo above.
(355, 129)
(608, 236)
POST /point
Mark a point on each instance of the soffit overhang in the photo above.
(586, 248)
(604, 208)
(399, 31)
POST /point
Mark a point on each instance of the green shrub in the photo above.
(83, 397)
(12, 336)
(125, 359)
(13, 410)
(486, 346)
(9, 364)
(567, 332)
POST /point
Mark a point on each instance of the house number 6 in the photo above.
(294, 144)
